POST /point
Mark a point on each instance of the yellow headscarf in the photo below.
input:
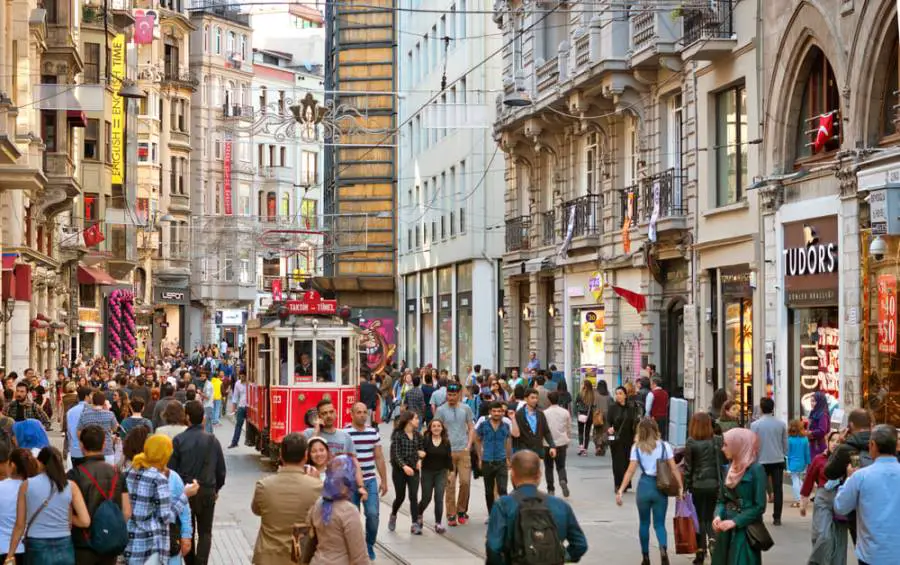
(157, 451)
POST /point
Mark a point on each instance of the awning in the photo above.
(94, 275)
(76, 118)
(538, 264)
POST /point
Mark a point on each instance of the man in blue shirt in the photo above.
(533, 361)
(72, 418)
(493, 438)
(872, 492)
(526, 476)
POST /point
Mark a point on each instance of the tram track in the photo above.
(447, 536)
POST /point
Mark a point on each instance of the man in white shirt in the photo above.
(560, 423)
(239, 405)
(205, 392)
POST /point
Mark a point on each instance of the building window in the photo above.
(218, 40)
(418, 240)
(820, 96)
(91, 63)
(243, 47)
(452, 224)
(206, 39)
(143, 152)
(309, 212)
(890, 100)
(462, 220)
(87, 296)
(218, 149)
(271, 209)
(409, 240)
(283, 156)
(731, 145)
(285, 210)
(107, 142)
(218, 198)
(310, 172)
(92, 140)
(91, 208)
(229, 46)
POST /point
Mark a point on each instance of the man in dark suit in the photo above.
(532, 426)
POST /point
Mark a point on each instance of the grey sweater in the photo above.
(773, 439)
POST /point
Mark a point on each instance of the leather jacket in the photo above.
(701, 461)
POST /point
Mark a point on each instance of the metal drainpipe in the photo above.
(695, 292)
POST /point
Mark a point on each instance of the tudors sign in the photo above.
(810, 259)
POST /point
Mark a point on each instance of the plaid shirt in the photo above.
(405, 451)
(92, 416)
(152, 510)
(415, 401)
(30, 410)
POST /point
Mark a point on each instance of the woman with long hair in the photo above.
(156, 508)
(720, 396)
(819, 424)
(436, 464)
(601, 405)
(16, 466)
(319, 456)
(701, 476)
(647, 452)
(334, 519)
(622, 418)
(48, 505)
(584, 408)
(729, 417)
(742, 501)
(406, 463)
(829, 533)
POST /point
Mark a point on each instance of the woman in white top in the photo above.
(48, 505)
(16, 465)
(647, 450)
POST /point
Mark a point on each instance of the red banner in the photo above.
(311, 303)
(227, 173)
(276, 290)
(887, 314)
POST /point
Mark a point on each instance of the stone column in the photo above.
(771, 198)
(851, 303)
(538, 325)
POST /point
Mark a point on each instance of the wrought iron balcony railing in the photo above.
(518, 233)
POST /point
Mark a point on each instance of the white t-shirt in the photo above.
(647, 461)
(9, 490)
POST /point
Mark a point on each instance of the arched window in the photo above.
(243, 47)
(204, 92)
(271, 206)
(218, 40)
(229, 47)
(890, 100)
(206, 38)
(285, 210)
(229, 94)
(820, 96)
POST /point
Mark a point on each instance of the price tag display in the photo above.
(887, 314)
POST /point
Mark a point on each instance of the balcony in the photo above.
(180, 139)
(237, 111)
(548, 227)
(662, 199)
(61, 179)
(583, 215)
(277, 174)
(653, 35)
(180, 202)
(518, 234)
(709, 31)
(179, 78)
(225, 12)
(546, 76)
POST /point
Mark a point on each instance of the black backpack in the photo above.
(535, 537)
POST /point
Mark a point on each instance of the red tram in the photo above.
(298, 356)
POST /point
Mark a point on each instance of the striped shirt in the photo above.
(365, 442)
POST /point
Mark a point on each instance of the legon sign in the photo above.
(811, 262)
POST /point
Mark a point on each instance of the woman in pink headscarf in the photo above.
(743, 500)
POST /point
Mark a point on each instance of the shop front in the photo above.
(231, 323)
(170, 319)
(736, 315)
(811, 295)
(588, 326)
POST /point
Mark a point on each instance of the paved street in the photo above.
(611, 531)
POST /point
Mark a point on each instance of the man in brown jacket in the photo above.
(282, 500)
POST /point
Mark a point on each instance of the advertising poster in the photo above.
(820, 365)
(593, 343)
(117, 141)
(378, 343)
(887, 314)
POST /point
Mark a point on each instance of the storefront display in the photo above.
(412, 318)
(463, 316)
(445, 317)
(737, 318)
(593, 343)
(811, 296)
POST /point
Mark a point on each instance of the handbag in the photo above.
(665, 481)
(598, 418)
(758, 537)
(304, 543)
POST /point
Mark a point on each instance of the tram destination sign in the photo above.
(311, 303)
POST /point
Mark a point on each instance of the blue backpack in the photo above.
(108, 534)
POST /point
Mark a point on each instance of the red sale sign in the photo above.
(887, 314)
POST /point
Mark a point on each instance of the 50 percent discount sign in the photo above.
(887, 314)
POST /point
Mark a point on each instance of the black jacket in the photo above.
(530, 440)
(198, 455)
(701, 464)
(836, 468)
(623, 419)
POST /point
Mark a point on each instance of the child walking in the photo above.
(797, 458)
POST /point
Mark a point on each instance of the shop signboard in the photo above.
(887, 314)
(810, 262)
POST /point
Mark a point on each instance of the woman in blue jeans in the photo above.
(647, 450)
(44, 504)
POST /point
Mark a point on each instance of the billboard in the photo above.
(117, 141)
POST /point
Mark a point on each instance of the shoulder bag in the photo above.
(665, 478)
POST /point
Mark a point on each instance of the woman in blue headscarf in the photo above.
(30, 434)
(819, 424)
(334, 520)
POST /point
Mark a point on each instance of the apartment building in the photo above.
(223, 285)
(450, 190)
(615, 124)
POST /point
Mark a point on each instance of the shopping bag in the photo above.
(685, 535)
(684, 508)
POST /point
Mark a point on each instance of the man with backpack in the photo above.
(106, 498)
(529, 527)
(854, 447)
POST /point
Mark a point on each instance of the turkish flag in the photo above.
(637, 301)
(825, 132)
(93, 235)
(144, 23)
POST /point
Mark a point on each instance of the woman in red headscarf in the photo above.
(743, 500)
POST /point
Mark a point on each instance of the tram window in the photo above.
(325, 360)
(346, 356)
(303, 365)
(283, 361)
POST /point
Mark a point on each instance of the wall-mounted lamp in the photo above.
(552, 311)
(526, 313)
(501, 312)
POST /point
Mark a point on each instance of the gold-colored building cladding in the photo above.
(360, 169)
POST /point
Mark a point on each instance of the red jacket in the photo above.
(660, 408)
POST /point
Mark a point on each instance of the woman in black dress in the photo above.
(621, 417)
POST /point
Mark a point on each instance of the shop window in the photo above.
(445, 318)
(820, 96)
(814, 338)
(87, 296)
(738, 348)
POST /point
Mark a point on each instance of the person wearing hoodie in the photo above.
(819, 424)
(854, 444)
